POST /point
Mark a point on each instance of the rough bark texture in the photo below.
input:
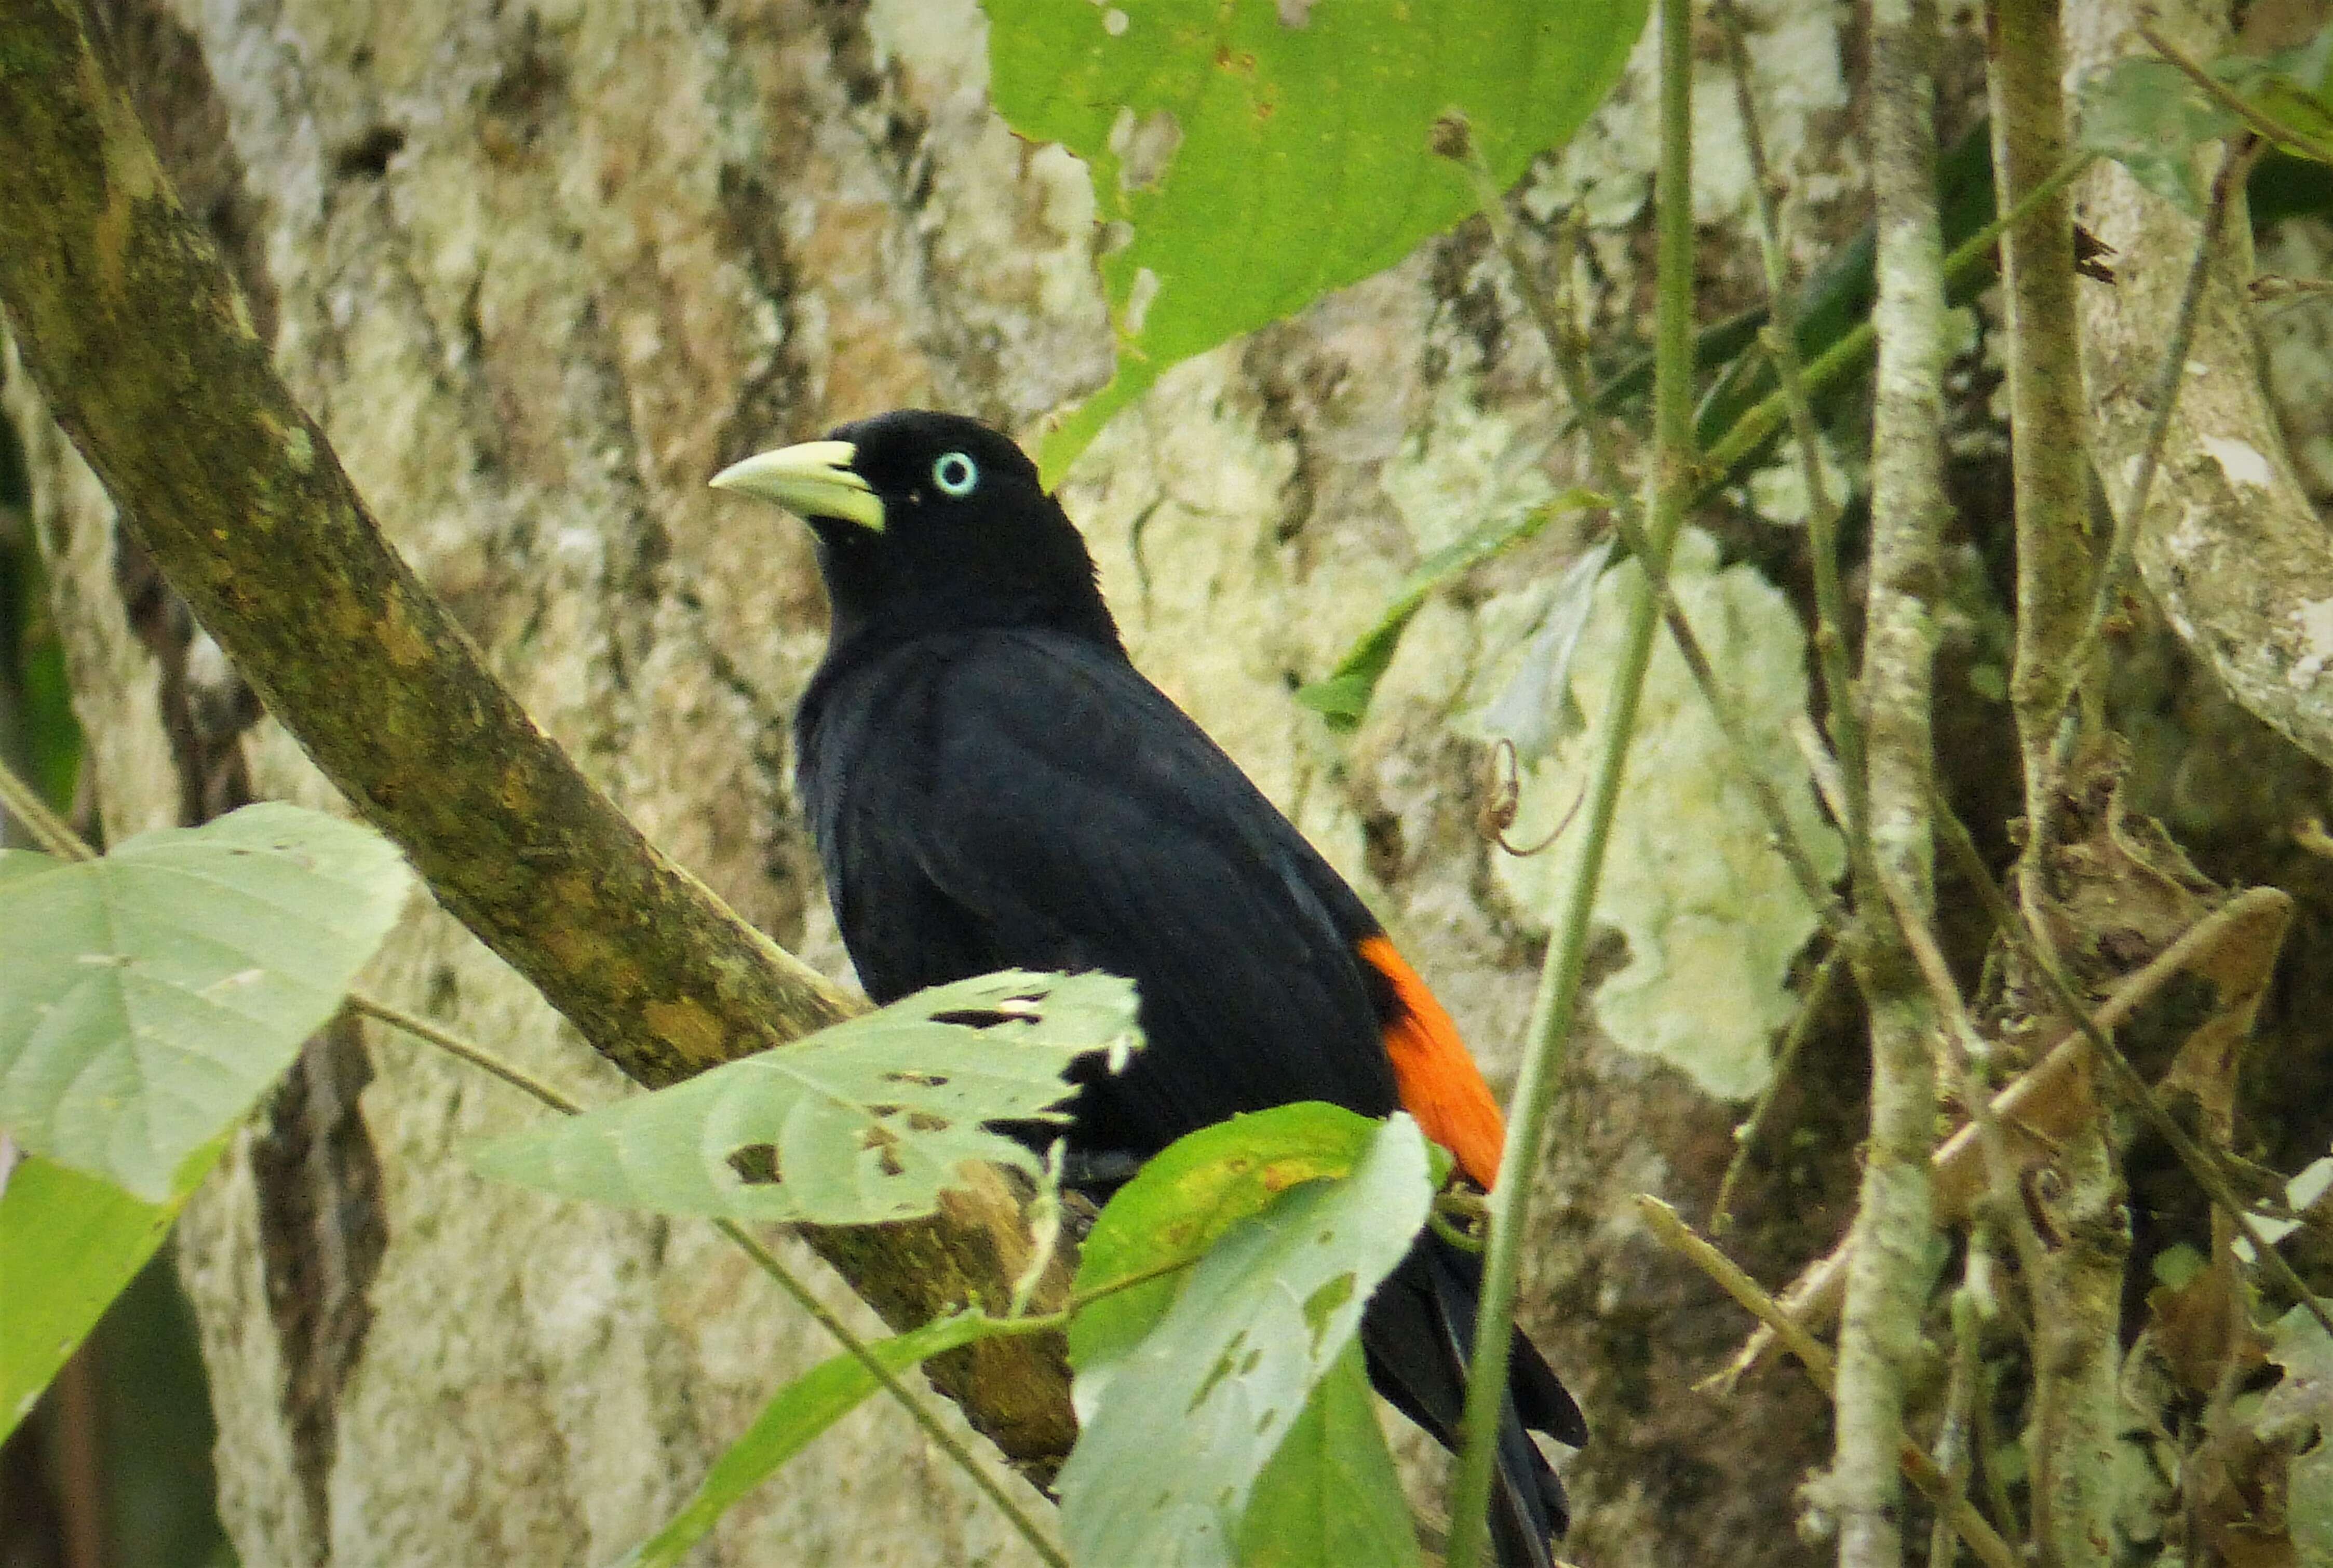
(536, 272)
(2231, 545)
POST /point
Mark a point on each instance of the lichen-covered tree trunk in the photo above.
(538, 270)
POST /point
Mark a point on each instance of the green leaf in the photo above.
(148, 998)
(1256, 155)
(2144, 114)
(1331, 1498)
(2298, 1413)
(69, 1245)
(795, 1417)
(857, 1124)
(1177, 1426)
(1343, 697)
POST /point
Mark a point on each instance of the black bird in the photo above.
(993, 785)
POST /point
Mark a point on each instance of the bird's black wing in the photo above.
(1027, 798)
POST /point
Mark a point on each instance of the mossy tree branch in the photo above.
(128, 322)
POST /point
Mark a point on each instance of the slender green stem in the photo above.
(1746, 1136)
(948, 1442)
(49, 830)
(1560, 981)
(454, 1045)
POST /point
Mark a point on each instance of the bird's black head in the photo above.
(931, 522)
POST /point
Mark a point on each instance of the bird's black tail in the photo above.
(1419, 1336)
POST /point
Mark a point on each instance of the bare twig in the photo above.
(1889, 1271)
(1676, 1236)
(2231, 949)
(1746, 1136)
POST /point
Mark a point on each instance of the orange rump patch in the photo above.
(1437, 1080)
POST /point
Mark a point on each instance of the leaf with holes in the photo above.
(857, 1124)
(1255, 156)
(1176, 1424)
(148, 998)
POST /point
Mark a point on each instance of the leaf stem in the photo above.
(2267, 127)
(786, 1279)
(1553, 1008)
(49, 830)
(454, 1045)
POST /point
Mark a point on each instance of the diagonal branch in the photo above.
(128, 322)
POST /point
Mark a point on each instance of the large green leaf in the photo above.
(1177, 1426)
(148, 998)
(1259, 153)
(69, 1245)
(796, 1416)
(860, 1123)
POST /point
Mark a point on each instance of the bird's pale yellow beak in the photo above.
(813, 480)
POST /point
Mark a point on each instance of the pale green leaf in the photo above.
(1331, 1498)
(1176, 1426)
(1712, 915)
(2144, 114)
(857, 1124)
(1259, 154)
(1535, 708)
(148, 998)
(796, 1416)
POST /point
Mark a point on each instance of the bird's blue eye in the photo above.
(956, 474)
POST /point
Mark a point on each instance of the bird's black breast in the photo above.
(1024, 797)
